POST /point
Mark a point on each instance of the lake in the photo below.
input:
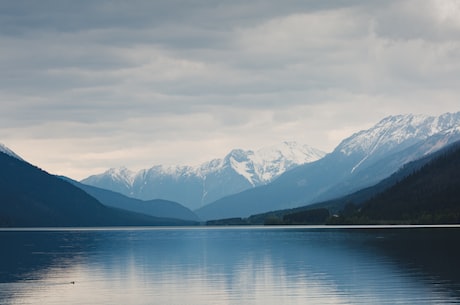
(234, 265)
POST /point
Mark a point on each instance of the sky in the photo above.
(93, 84)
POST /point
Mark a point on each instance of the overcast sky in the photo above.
(89, 85)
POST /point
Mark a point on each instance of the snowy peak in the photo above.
(173, 171)
(273, 161)
(195, 186)
(393, 134)
(120, 179)
(399, 130)
(239, 155)
(121, 175)
(257, 167)
(262, 166)
(9, 152)
(292, 151)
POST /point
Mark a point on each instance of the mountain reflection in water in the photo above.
(295, 265)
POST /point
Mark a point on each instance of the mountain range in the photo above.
(430, 170)
(290, 176)
(31, 197)
(197, 186)
(359, 161)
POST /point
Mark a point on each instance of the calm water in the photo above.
(231, 266)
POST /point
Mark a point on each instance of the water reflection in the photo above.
(230, 266)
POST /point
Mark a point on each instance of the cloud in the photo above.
(432, 20)
(145, 82)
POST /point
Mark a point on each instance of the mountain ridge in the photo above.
(9, 152)
(429, 195)
(352, 165)
(156, 207)
(352, 202)
(32, 197)
(195, 186)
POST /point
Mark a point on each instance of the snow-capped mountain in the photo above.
(195, 186)
(264, 165)
(120, 179)
(395, 133)
(359, 161)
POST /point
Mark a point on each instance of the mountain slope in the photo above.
(118, 180)
(157, 207)
(197, 186)
(388, 164)
(9, 152)
(431, 195)
(359, 161)
(352, 202)
(32, 197)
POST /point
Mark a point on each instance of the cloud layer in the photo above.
(87, 85)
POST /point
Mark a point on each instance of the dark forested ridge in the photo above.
(430, 195)
(31, 197)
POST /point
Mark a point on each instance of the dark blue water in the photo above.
(231, 266)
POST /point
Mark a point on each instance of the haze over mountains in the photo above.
(155, 207)
(196, 186)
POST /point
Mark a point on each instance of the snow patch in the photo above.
(242, 169)
(394, 130)
(9, 152)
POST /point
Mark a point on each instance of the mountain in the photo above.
(9, 152)
(157, 207)
(30, 197)
(196, 186)
(359, 161)
(348, 205)
(430, 195)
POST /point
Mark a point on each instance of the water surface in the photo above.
(295, 265)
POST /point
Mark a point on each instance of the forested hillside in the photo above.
(431, 195)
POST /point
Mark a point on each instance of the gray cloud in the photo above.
(143, 82)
